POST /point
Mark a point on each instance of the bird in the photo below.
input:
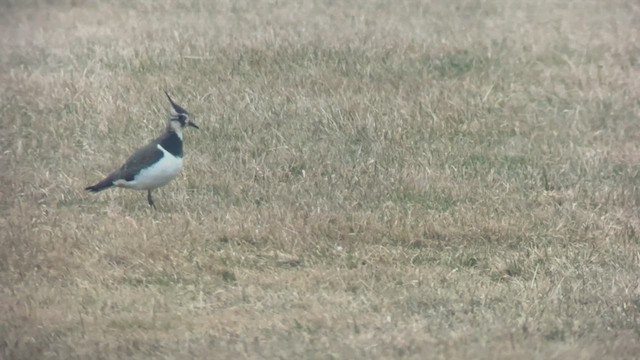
(155, 164)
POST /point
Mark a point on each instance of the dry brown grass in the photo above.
(372, 180)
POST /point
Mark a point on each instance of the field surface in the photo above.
(371, 180)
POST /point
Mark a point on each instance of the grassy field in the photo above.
(372, 180)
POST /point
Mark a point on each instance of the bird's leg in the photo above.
(150, 199)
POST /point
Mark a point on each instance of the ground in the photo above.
(371, 180)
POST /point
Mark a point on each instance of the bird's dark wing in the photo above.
(138, 161)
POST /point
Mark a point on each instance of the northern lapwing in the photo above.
(156, 164)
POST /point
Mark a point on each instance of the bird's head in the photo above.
(179, 116)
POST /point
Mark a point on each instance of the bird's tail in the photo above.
(102, 185)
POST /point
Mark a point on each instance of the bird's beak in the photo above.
(192, 125)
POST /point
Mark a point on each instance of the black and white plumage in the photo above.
(155, 164)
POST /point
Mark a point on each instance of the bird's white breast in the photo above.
(158, 174)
